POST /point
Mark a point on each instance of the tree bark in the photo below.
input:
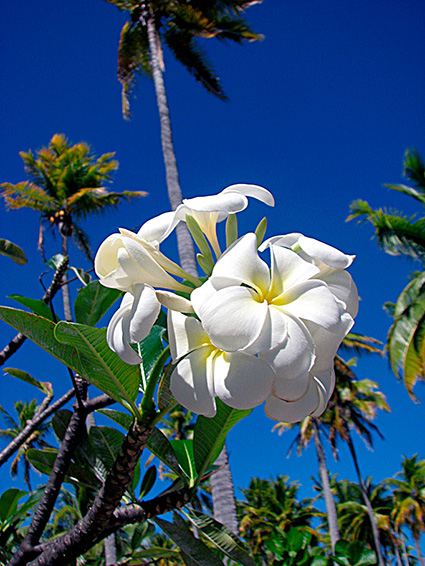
(372, 518)
(324, 477)
(223, 495)
(65, 289)
(185, 244)
(418, 549)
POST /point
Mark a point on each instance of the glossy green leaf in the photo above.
(44, 460)
(148, 481)
(34, 305)
(81, 274)
(106, 443)
(151, 348)
(9, 502)
(220, 536)
(93, 302)
(180, 534)
(161, 447)
(99, 364)
(14, 252)
(44, 386)
(183, 449)
(210, 434)
(123, 419)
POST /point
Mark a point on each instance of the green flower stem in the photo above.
(147, 406)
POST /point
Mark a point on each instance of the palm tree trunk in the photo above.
(418, 548)
(226, 506)
(324, 477)
(405, 554)
(65, 289)
(223, 494)
(185, 244)
(372, 518)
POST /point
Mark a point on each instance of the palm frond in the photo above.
(94, 201)
(133, 57)
(414, 169)
(396, 234)
(82, 240)
(26, 195)
(361, 344)
(193, 58)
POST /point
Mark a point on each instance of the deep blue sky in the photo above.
(320, 113)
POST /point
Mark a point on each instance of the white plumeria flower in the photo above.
(204, 372)
(126, 259)
(209, 210)
(132, 322)
(244, 307)
(330, 261)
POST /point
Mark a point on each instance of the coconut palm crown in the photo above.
(66, 184)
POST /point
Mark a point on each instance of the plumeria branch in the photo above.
(54, 287)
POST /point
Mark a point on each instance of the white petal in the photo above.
(291, 389)
(241, 262)
(323, 401)
(240, 380)
(327, 254)
(106, 257)
(255, 191)
(192, 384)
(174, 302)
(158, 228)
(273, 333)
(230, 203)
(343, 287)
(294, 411)
(117, 336)
(327, 382)
(288, 269)
(144, 312)
(185, 334)
(311, 300)
(327, 343)
(233, 319)
(295, 355)
(286, 241)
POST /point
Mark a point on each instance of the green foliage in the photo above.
(43, 386)
(14, 252)
(35, 305)
(93, 301)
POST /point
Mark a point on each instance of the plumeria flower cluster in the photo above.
(252, 331)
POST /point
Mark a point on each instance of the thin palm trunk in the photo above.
(221, 481)
(405, 554)
(372, 518)
(418, 548)
(327, 492)
(185, 244)
(223, 494)
(65, 289)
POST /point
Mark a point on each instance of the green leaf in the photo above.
(83, 349)
(44, 460)
(35, 305)
(106, 443)
(44, 386)
(260, 231)
(93, 301)
(220, 536)
(151, 348)
(14, 252)
(199, 238)
(55, 261)
(183, 449)
(84, 277)
(123, 419)
(210, 434)
(148, 481)
(161, 447)
(153, 552)
(99, 364)
(180, 534)
(9, 502)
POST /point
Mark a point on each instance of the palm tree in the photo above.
(26, 412)
(354, 405)
(176, 24)
(409, 499)
(398, 234)
(270, 509)
(65, 185)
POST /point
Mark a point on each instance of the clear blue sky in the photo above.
(320, 113)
